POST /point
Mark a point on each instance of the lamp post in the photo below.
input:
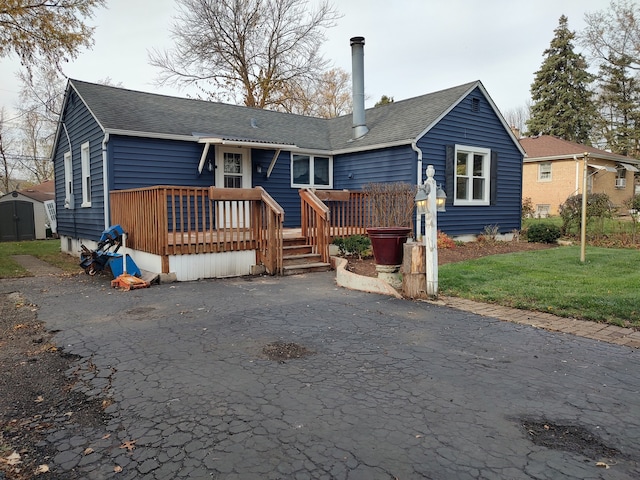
(430, 200)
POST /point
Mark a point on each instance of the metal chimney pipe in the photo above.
(357, 75)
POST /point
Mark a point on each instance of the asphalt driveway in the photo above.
(391, 389)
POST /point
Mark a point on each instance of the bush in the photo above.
(445, 241)
(598, 207)
(527, 208)
(543, 233)
(353, 245)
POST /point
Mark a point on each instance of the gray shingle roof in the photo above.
(118, 109)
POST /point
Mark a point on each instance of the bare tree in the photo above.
(41, 97)
(245, 51)
(7, 166)
(517, 117)
(614, 33)
(327, 96)
(45, 30)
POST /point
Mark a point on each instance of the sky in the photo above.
(412, 47)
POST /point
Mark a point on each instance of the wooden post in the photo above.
(414, 280)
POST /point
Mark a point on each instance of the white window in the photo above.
(86, 174)
(311, 171)
(542, 210)
(472, 176)
(544, 172)
(621, 177)
(68, 181)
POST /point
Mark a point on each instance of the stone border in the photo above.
(350, 280)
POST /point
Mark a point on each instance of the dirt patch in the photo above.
(569, 438)
(468, 251)
(280, 351)
(37, 394)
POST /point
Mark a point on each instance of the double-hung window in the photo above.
(311, 171)
(68, 181)
(544, 172)
(85, 158)
(472, 175)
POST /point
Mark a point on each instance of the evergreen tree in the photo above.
(562, 103)
(618, 101)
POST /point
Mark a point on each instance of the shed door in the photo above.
(233, 170)
(16, 221)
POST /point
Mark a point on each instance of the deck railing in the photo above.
(169, 220)
(349, 211)
(314, 219)
(326, 214)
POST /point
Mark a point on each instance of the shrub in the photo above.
(598, 207)
(353, 245)
(445, 241)
(527, 207)
(392, 204)
(543, 233)
(491, 232)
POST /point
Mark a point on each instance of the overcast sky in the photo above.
(412, 47)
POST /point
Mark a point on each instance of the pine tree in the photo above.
(562, 102)
(618, 101)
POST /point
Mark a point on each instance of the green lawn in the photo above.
(606, 288)
(47, 250)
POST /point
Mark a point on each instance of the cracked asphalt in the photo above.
(394, 389)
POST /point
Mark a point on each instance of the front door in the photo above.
(233, 170)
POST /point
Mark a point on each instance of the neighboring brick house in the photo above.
(553, 171)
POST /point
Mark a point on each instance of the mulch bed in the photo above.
(468, 251)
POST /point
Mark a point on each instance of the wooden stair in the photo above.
(298, 257)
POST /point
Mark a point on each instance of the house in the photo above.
(23, 215)
(553, 171)
(147, 161)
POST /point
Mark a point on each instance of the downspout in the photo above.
(575, 157)
(415, 148)
(105, 181)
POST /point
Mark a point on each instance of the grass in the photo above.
(46, 250)
(604, 289)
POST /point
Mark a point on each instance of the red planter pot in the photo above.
(387, 244)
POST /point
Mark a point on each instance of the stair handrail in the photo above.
(273, 256)
(315, 222)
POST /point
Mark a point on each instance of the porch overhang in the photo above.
(236, 142)
(602, 167)
(629, 167)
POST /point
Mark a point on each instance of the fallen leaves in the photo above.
(129, 445)
(42, 469)
(13, 459)
(117, 469)
(88, 451)
(39, 399)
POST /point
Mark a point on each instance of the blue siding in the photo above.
(353, 170)
(138, 162)
(278, 185)
(480, 129)
(81, 222)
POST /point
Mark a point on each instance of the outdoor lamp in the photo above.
(422, 198)
(441, 198)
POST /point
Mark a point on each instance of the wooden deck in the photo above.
(170, 220)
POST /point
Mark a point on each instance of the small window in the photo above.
(542, 210)
(68, 181)
(311, 171)
(621, 177)
(472, 175)
(544, 172)
(85, 158)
